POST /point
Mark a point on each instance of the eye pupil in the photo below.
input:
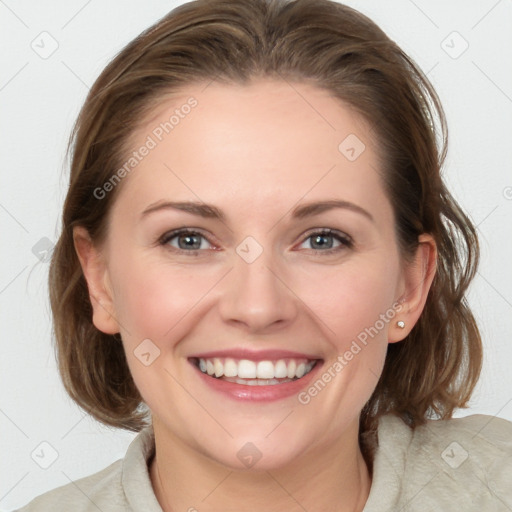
(189, 242)
(322, 241)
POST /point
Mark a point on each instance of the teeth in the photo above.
(246, 369)
(292, 366)
(259, 373)
(280, 370)
(230, 367)
(219, 367)
(256, 382)
(265, 370)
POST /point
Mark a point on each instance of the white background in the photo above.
(40, 99)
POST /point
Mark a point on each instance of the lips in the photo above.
(250, 375)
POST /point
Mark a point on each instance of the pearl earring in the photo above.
(401, 324)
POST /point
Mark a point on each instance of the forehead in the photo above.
(270, 139)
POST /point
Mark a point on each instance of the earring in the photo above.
(400, 324)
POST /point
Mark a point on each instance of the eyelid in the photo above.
(327, 231)
(345, 240)
(185, 230)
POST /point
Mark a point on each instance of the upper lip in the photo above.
(255, 355)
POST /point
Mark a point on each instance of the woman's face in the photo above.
(290, 261)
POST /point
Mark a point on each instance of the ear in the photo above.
(96, 275)
(417, 279)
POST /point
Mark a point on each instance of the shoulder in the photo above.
(457, 464)
(473, 444)
(85, 494)
(478, 435)
(123, 486)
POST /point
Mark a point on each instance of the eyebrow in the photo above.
(195, 208)
(316, 208)
(212, 212)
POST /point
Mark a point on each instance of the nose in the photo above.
(256, 296)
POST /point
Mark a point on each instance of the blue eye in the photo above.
(192, 241)
(327, 241)
(185, 240)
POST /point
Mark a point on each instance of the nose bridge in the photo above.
(256, 295)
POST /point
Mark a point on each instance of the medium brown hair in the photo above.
(431, 372)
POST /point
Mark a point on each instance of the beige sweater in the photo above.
(455, 465)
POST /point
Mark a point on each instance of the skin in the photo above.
(256, 152)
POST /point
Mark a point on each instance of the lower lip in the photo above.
(259, 393)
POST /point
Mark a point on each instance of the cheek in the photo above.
(162, 302)
(155, 302)
(152, 299)
(352, 300)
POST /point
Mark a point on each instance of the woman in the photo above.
(261, 270)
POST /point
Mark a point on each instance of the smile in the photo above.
(255, 373)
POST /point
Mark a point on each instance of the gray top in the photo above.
(462, 464)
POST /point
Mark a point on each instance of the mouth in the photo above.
(255, 373)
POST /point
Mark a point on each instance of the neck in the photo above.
(333, 478)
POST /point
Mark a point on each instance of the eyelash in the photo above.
(345, 241)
